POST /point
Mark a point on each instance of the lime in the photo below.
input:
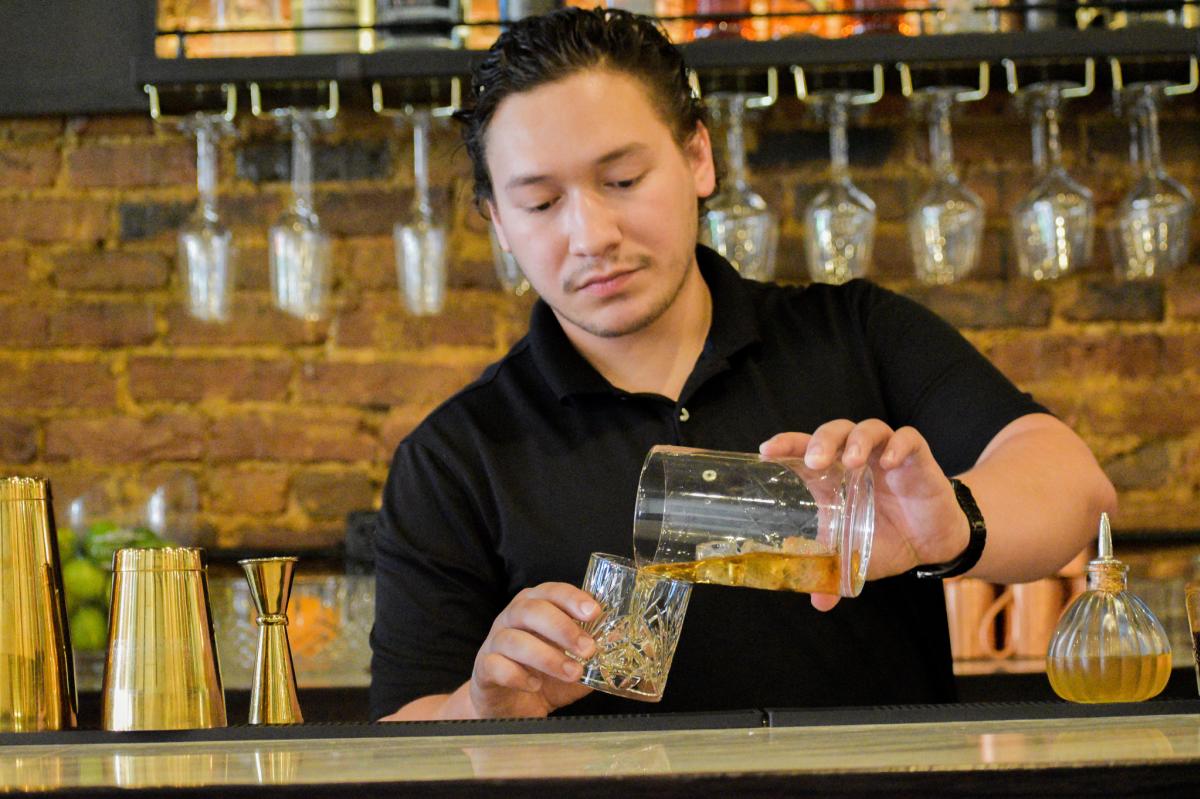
(66, 542)
(145, 537)
(89, 628)
(83, 580)
(100, 546)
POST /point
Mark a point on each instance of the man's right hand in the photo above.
(522, 668)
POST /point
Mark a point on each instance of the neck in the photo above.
(658, 358)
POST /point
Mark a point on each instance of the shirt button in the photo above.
(684, 415)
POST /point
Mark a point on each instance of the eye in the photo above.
(626, 184)
(540, 207)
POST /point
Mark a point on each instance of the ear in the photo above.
(698, 150)
(494, 213)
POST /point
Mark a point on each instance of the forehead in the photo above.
(584, 114)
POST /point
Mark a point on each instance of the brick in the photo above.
(1154, 410)
(252, 267)
(146, 220)
(1151, 511)
(247, 490)
(382, 322)
(125, 439)
(365, 212)
(57, 384)
(253, 320)
(1094, 299)
(194, 379)
(263, 161)
(1181, 353)
(331, 495)
(23, 326)
(291, 437)
(370, 263)
(893, 197)
(1183, 296)
(283, 539)
(892, 256)
(18, 441)
(113, 125)
(399, 422)
(987, 304)
(1146, 467)
(30, 130)
(1037, 357)
(132, 165)
(379, 385)
(109, 270)
(44, 220)
(28, 167)
(14, 271)
(102, 324)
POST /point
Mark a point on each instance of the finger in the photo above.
(532, 652)
(571, 599)
(824, 602)
(494, 670)
(904, 444)
(546, 620)
(784, 445)
(826, 443)
(863, 440)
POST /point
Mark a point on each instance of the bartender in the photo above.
(591, 156)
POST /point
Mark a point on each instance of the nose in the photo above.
(593, 228)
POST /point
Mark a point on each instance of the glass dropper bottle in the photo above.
(1108, 646)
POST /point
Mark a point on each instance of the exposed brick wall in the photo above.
(287, 425)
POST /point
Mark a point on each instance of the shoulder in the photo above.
(824, 304)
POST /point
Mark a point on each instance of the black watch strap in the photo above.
(969, 556)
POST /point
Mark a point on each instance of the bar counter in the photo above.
(1011, 749)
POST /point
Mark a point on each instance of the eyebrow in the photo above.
(518, 181)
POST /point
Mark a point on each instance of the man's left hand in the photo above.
(917, 518)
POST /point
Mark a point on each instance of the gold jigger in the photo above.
(273, 694)
(37, 675)
(161, 672)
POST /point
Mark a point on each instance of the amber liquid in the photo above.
(1110, 679)
(774, 571)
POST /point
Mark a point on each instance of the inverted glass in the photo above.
(733, 518)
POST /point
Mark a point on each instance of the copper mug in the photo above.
(971, 610)
(1031, 612)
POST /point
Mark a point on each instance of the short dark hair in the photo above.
(538, 50)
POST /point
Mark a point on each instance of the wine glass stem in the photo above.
(1151, 147)
(206, 170)
(302, 173)
(941, 146)
(839, 148)
(735, 140)
(421, 163)
(1047, 152)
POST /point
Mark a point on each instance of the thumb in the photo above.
(824, 602)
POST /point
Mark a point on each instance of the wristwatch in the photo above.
(969, 556)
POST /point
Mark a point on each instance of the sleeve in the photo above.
(438, 584)
(934, 379)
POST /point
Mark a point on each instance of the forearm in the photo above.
(435, 707)
(1041, 493)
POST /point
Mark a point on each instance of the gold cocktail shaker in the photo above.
(273, 697)
(161, 672)
(37, 676)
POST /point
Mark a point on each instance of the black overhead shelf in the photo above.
(708, 56)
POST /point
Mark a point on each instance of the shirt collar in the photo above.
(733, 327)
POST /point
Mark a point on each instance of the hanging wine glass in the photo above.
(299, 249)
(1052, 225)
(946, 226)
(421, 242)
(205, 244)
(737, 223)
(839, 222)
(1151, 235)
(508, 271)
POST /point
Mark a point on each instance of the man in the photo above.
(591, 156)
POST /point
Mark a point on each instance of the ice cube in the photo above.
(716, 549)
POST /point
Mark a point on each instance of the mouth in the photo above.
(605, 283)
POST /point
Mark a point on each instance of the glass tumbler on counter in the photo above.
(733, 518)
(637, 630)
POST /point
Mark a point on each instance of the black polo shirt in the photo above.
(515, 480)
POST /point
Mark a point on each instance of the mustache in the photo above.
(588, 271)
